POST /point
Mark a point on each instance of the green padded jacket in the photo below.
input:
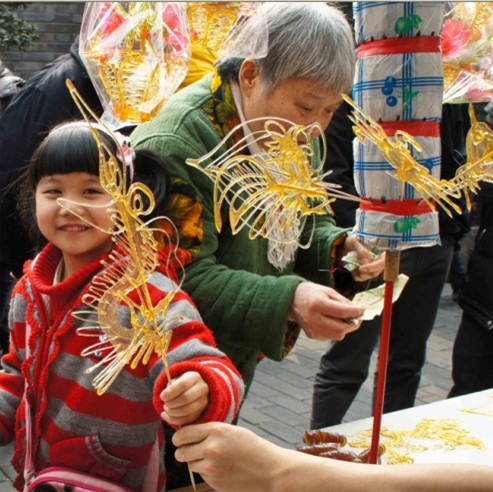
(241, 296)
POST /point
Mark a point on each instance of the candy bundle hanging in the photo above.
(137, 54)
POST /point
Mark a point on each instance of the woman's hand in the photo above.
(323, 313)
(369, 268)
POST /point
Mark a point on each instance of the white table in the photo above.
(480, 426)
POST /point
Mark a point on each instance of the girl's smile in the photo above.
(73, 228)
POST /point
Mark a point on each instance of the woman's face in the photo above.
(77, 229)
(301, 101)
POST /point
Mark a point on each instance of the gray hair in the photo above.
(305, 40)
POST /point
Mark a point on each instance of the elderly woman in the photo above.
(253, 307)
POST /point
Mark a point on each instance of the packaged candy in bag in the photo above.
(467, 47)
(137, 54)
(217, 26)
(210, 22)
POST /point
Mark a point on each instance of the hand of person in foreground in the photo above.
(369, 268)
(185, 399)
(323, 313)
(234, 459)
(228, 457)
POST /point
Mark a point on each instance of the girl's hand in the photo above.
(185, 399)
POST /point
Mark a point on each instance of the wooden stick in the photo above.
(168, 375)
(392, 261)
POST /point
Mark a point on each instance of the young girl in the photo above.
(111, 435)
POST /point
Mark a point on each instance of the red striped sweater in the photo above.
(109, 435)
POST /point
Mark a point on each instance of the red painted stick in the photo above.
(392, 259)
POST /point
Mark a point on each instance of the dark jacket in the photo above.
(476, 297)
(42, 103)
(10, 85)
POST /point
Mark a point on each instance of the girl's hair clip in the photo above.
(125, 153)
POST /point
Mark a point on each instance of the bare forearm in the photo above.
(308, 473)
(233, 459)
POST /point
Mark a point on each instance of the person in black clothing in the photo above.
(344, 368)
(43, 102)
(472, 361)
(10, 85)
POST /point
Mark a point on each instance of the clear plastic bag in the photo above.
(467, 47)
(137, 54)
(210, 22)
(236, 28)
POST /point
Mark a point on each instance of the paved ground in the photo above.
(279, 403)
